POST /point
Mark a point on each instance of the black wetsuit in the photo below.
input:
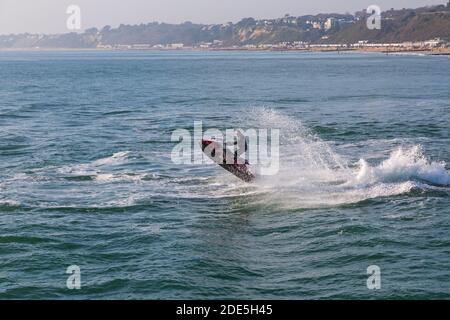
(236, 155)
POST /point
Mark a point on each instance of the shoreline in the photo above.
(428, 52)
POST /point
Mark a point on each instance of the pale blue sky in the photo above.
(49, 16)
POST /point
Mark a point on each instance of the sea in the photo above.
(92, 205)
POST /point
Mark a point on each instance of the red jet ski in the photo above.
(227, 159)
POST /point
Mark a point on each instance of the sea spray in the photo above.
(403, 165)
(312, 174)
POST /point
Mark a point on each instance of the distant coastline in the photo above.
(437, 52)
(425, 29)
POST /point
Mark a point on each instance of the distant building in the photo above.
(317, 25)
(330, 24)
(123, 47)
(141, 46)
(205, 45)
(433, 43)
(176, 46)
(104, 46)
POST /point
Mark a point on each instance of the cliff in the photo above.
(397, 26)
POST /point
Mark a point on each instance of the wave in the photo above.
(405, 164)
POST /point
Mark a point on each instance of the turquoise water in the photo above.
(86, 176)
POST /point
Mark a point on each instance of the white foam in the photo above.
(116, 158)
(405, 165)
(119, 177)
(9, 203)
(93, 167)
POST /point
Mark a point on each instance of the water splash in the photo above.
(405, 164)
(314, 175)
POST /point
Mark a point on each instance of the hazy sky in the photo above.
(49, 16)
